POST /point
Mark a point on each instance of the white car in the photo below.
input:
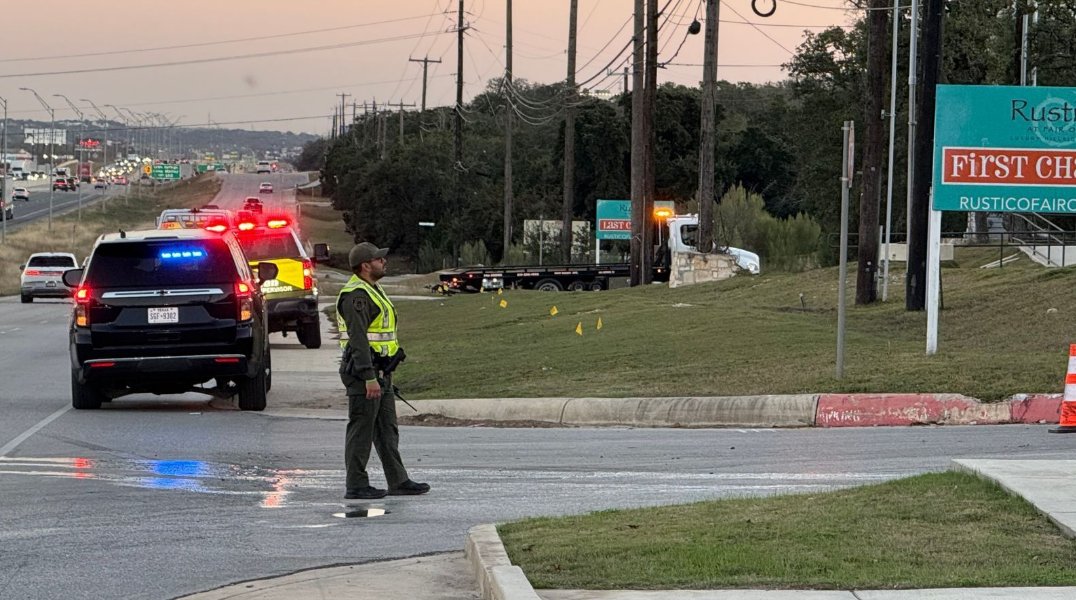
(264, 166)
(20, 193)
(42, 275)
(265, 188)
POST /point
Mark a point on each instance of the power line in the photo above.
(216, 43)
(766, 35)
(222, 58)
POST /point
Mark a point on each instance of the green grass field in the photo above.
(1002, 332)
(932, 531)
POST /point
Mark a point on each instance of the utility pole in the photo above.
(915, 294)
(638, 177)
(892, 138)
(509, 116)
(343, 125)
(871, 190)
(458, 154)
(569, 140)
(706, 135)
(401, 106)
(651, 95)
(913, 45)
(426, 61)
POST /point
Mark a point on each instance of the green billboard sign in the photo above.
(614, 218)
(1005, 149)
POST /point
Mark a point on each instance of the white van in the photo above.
(265, 166)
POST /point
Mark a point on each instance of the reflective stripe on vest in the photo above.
(382, 330)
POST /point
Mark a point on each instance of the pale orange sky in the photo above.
(378, 36)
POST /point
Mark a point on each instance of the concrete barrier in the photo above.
(865, 410)
(729, 411)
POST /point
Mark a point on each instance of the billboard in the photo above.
(1005, 149)
(45, 137)
(614, 218)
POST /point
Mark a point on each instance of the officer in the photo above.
(365, 314)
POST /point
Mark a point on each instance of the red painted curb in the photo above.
(866, 410)
(1036, 408)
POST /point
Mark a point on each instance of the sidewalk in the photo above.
(486, 572)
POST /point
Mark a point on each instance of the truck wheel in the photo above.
(577, 286)
(84, 397)
(309, 334)
(596, 286)
(252, 391)
(548, 285)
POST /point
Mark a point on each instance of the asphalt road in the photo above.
(157, 497)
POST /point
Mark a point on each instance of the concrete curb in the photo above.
(804, 410)
(496, 576)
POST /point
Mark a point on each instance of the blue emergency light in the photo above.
(182, 253)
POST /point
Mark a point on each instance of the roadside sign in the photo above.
(1005, 149)
(201, 168)
(147, 169)
(614, 218)
(165, 172)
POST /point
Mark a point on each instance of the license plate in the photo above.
(50, 284)
(167, 314)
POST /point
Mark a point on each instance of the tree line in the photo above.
(780, 142)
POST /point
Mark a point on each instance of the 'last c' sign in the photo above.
(1005, 149)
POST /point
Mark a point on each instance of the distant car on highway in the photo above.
(59, 184)
(119, 180)
(253, 204)
(7, 210)
(264, 166)
(20, 193)
(100, 184)
(42, 275)
(265, 188)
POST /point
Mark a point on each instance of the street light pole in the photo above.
(7, 171)
(81, 150)
(52, 154)
(104, 120)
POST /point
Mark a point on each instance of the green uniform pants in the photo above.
(371, 423)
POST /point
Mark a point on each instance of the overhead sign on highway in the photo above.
(165, 172)
(1005, 149)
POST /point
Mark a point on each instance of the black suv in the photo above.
(164, 312)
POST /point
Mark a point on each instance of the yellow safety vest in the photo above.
(382, 330)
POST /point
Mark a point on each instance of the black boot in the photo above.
(409, 488)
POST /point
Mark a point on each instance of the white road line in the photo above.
(8, 447)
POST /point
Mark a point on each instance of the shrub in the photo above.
(791, 244)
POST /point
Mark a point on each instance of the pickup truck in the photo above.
(680, 234)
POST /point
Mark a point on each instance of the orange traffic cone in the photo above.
(1067, 422)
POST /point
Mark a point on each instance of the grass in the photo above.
(323, 224)
(69, 234)
(1002, 332)
(931, 531)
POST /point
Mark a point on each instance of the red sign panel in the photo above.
(614, 225)
(1008, 166)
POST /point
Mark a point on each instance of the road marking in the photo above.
(8, 447)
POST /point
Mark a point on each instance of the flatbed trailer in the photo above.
(550, 278)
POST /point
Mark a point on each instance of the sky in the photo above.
(306, 53)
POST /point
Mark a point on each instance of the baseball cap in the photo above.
(364, 252)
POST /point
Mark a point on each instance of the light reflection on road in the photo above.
(272, 487)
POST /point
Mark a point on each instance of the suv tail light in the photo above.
(82, 306)
(32, 272)
(246, 301)
(308, 274)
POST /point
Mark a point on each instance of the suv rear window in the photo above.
(51, 261)
(261, 246)
(164, 262)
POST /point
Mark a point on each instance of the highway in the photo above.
(158, 497)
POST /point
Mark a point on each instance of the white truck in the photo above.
(680, 234)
